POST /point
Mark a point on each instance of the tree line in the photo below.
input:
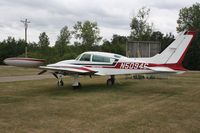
(87, 37)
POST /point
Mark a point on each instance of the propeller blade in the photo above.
(43, 71)
(55, 75)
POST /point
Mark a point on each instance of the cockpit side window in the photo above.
(98, 58)
(85, 57)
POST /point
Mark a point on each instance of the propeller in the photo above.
(43, 71)
(55, 75)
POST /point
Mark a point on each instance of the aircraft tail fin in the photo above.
(175, 52)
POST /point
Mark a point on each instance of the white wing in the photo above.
(69, 69)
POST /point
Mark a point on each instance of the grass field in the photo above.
(159, 105)
(17, 71)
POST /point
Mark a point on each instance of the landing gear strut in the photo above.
(76, 84)
(60, 82)
(111, 80)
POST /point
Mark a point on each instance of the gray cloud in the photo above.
(167, 5)
(113, 16)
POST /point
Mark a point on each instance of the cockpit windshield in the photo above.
(97, 58)
(85, 57)
(77, 58)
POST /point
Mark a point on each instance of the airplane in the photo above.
(110, 64)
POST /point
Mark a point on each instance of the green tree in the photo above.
(165, 40)
(43, 40)
(189, 19)
(88, 33)
(117, 45)
(62, 41)
(11, 48)
(64, 37)
(43, 50)
(140, 28)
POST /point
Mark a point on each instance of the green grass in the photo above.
(17, 71)
(158, 105)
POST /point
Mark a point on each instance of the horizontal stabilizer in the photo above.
(162, 69)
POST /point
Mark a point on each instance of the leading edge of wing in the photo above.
(70, 69)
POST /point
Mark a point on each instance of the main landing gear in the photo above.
(76, 84)
(111, 80)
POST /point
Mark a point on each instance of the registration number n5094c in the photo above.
(133, 65)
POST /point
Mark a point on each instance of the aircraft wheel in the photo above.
(79, 85)
(110, 82)
(60, 83)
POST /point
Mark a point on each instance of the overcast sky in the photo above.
(112, 16)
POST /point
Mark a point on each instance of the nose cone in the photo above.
(5, 61)
(8, 61)
(23, 62)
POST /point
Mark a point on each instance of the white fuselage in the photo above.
(123, 65)
(102, 63)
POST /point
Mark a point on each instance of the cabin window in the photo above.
(85, 57)
(98, 58)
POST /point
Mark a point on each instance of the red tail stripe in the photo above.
(183, 55)
(191, 33)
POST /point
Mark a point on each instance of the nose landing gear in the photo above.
(60, 82)
(76, 84)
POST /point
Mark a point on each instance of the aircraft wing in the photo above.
(69, 69)
(162, 69)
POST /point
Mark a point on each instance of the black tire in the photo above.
(113, 81)
(60, 83)
(109, 82)
(79, 85)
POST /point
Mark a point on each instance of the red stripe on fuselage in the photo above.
(122, 65)
(80, 68)
(139, 66)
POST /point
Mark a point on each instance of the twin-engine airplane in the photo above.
(101, 63)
